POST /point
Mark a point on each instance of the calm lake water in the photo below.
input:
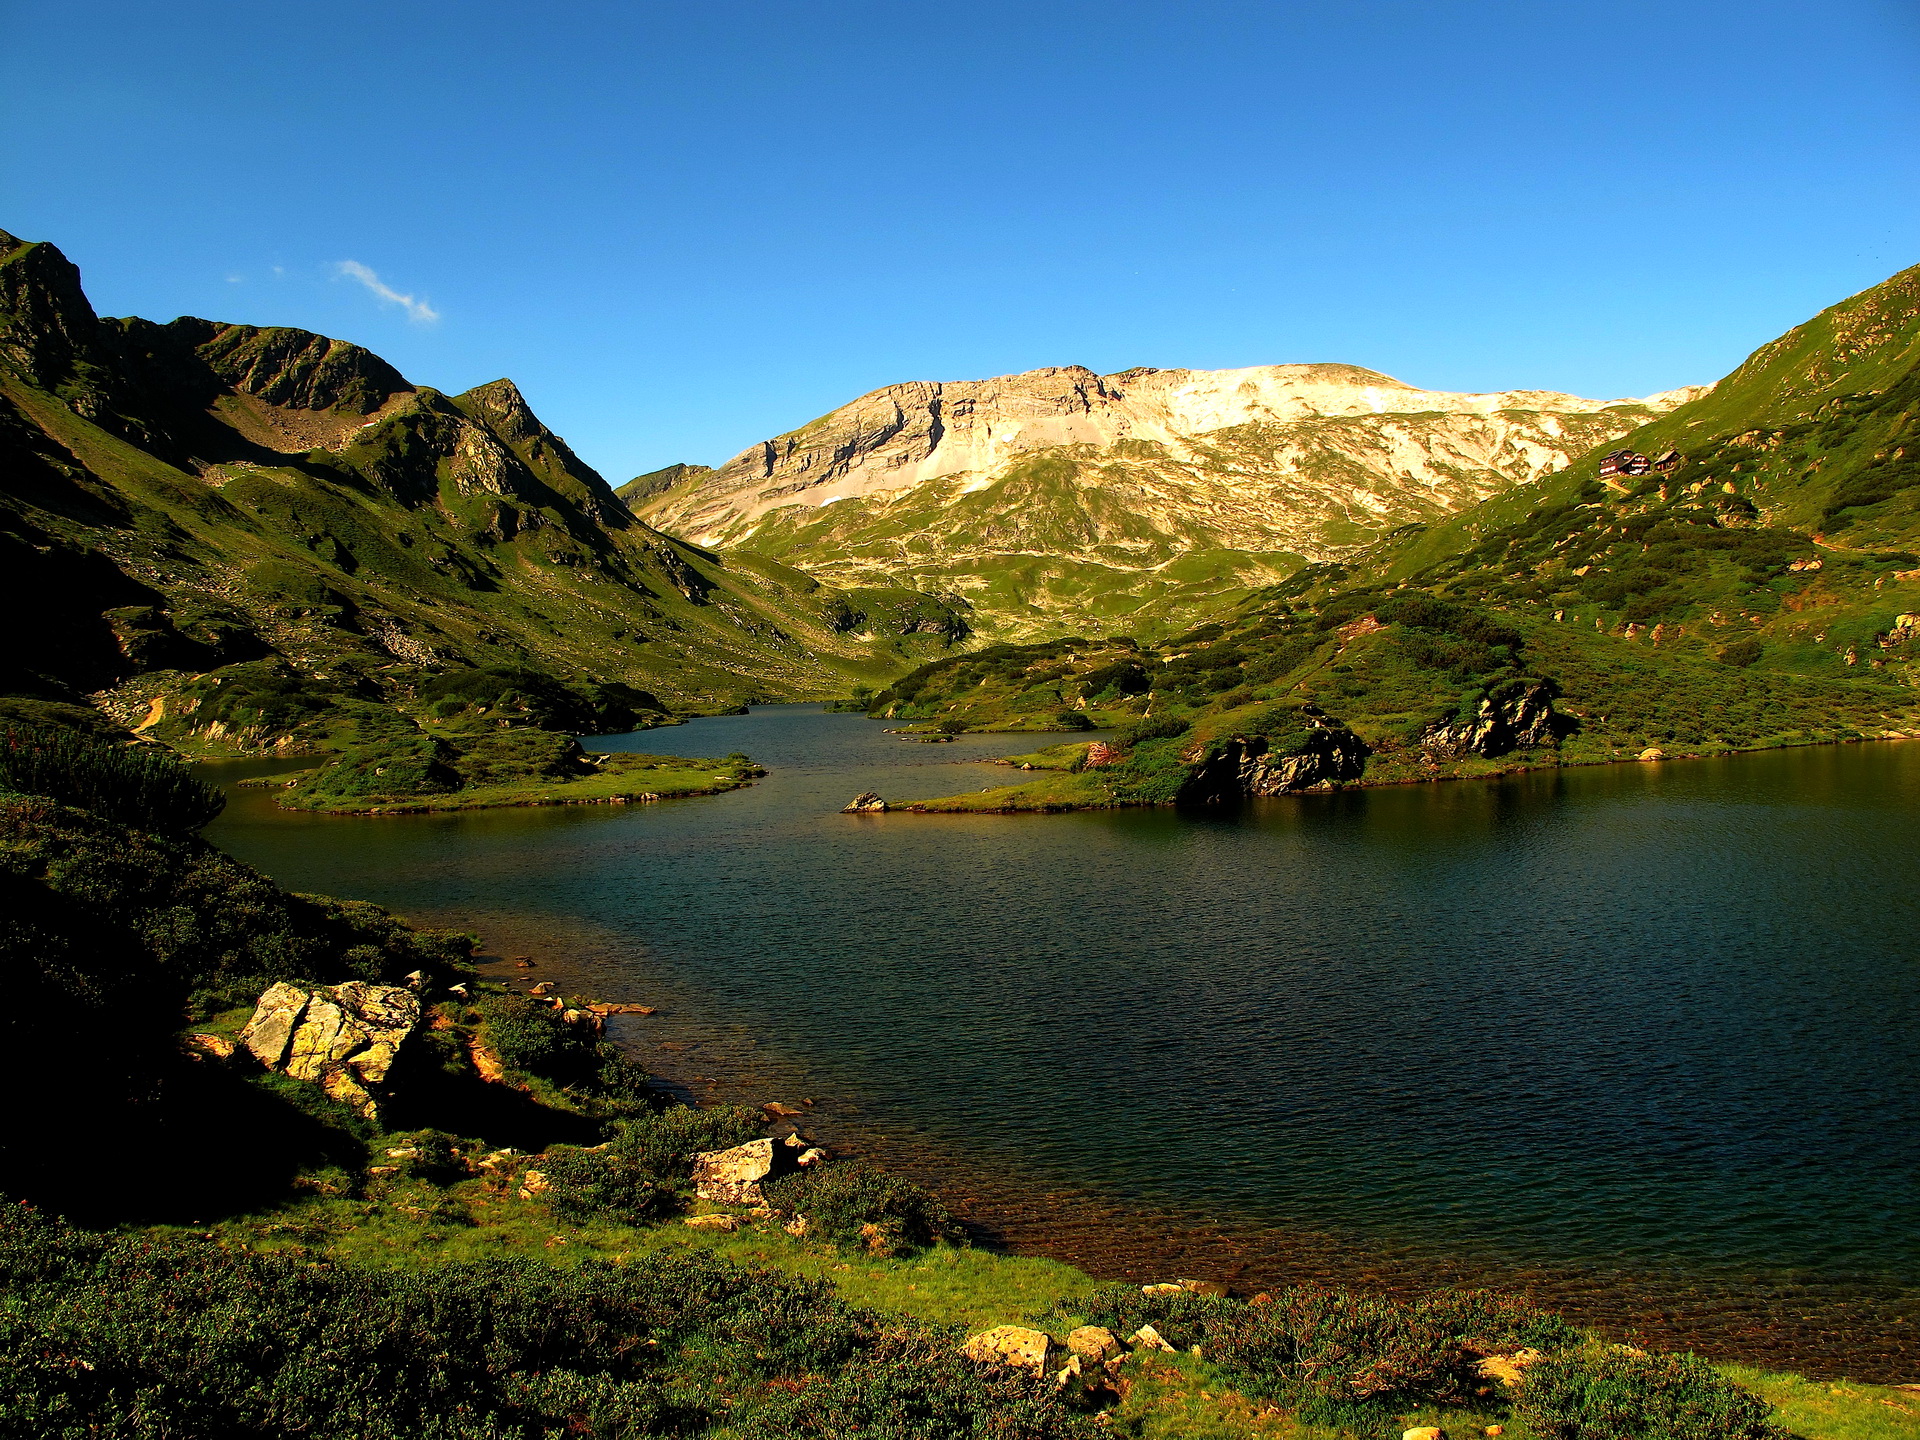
(1643, 1038)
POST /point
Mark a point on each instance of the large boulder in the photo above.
(732, 1177)
(344, 1038)
(1014, 1346)
(867, 802)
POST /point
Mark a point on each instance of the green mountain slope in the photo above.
(1061, 501)
(1754, 587)
(286, 519)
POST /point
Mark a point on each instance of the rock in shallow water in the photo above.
(867, 802)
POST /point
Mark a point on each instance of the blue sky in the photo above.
(685, 227)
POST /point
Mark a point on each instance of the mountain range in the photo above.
(229, 537)
(289, 515)
(1061, 501)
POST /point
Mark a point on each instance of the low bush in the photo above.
(143, 787)
(1741, 652)
(1617, 1394)
(851, 1203)
(642, 1173)
(145, 1335)
(588, 1185)
(536, 1041)
(1341, 1358)
(1158, 727)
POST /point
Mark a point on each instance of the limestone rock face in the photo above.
(732, 1177)
(342, 1037)
(1094, 481)
(1014, 1346)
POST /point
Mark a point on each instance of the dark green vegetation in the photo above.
(112, 936)
(235, 538)
(151, 1335)
(146, 788)
(1360, 1362)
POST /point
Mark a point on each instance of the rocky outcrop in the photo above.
(343, 1038)
(1244, 766)
(1522, 718)
(867, 802)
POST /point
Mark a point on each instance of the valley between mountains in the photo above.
(240, 540)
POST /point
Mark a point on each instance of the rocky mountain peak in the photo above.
(48, 329)
(902, 436)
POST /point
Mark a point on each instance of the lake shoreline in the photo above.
(799, 954)
(955, 804)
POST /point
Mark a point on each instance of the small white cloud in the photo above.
(418, 311)
(236, 279)
(279, 270)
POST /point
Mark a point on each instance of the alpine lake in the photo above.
(1642, 1041)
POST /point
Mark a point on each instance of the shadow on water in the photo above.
(1638, 1038)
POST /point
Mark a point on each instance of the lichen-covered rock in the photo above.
(1014, 1346)
(1235, 767)
(732, 1177)
(343, 1038)
(1094, 1342)
(1522, 720)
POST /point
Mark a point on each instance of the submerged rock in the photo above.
(344, 1038)
(867, 802)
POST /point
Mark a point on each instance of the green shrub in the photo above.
(1338, 1357)
(1159, 727)
(534, 1040)
(851, 1203)
(438, 1157)
(642, 1172)
(1741, 653)
(664, 1142)
(151, 1335)
(1073, 720)
(589, 1185)
(143, 787)
(1616, 1394)
(397, 766)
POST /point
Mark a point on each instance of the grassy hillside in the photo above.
(1064, 502)
(1754, 588)
(188, 504)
